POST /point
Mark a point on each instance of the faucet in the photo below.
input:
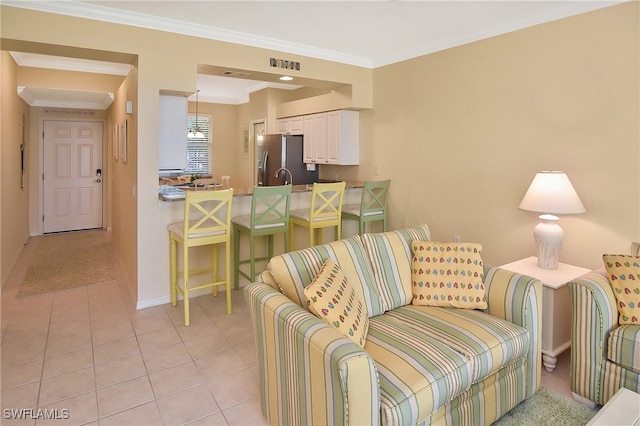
(284, 169)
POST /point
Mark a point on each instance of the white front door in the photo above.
(72, 175)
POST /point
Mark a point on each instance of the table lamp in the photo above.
(550, 193)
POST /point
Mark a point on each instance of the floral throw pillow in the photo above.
(333, 299)
(447, 274)
(624, 275)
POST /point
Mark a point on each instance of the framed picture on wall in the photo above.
(116, 141)
(23, 144)
(245, 141)
(125, 142)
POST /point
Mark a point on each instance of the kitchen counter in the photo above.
(171, 193)
(172, 211)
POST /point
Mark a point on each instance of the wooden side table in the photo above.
(556, 304)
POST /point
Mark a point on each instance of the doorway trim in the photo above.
(36, 213)
(253, 124)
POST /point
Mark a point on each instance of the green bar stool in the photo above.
(372, 207)
(269, 216)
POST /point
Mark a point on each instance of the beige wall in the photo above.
(14, 205)
(462, 132)
(165, 62)
(122, 178)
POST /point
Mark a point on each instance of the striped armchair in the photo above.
(419, 364)
(605, 356)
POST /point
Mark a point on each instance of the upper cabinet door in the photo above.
(296, 125)
(315, 138)
(320, 128)
(172, 149)
(332, 138)
(290, 126)
(282, 126)
(309, 147)
(343, 137)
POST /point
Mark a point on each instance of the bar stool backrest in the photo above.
(374, 197)
(326, 202)
(270, 207)
(209, 217)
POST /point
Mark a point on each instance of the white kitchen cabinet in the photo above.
(290, 126)
(315, 138)
(172, 134)
(332, 138)
(282, 126)
(343, 137)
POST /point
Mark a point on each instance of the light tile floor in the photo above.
(88, 351)
(559, 380)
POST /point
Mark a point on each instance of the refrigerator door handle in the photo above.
(265, 176)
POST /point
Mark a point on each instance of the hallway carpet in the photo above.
(68, 260)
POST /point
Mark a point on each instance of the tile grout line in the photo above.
(93, 358)
(44, 358)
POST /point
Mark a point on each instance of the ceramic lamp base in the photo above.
(548, 236)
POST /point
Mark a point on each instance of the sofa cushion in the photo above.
(426, 356)
(390, 257)
(447, 274)
(623, 347)
(331, 298)
(294, 271)
(624, 276)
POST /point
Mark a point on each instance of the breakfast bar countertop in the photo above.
(172, 193)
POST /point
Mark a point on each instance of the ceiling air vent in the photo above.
(236, 74)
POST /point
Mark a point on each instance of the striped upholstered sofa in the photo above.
(419, 365)
(605, 356)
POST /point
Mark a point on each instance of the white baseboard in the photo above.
(150, 303)
(584, 401)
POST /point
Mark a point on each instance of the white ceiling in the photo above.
(363, 33)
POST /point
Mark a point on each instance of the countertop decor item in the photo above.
(550, 193)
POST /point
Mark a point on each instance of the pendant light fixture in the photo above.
(196, 133)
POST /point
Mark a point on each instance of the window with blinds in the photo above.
(199, 149)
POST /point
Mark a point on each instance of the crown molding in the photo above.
(36, 60)
(555, 10)
(65, 98)
(105, 14)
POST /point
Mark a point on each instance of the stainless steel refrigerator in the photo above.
(284, 151)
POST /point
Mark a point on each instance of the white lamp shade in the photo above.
(552, 192)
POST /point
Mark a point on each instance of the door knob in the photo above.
(98, 180)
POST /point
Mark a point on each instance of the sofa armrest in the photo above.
(309, 372)
(595, 314)
(518, 298)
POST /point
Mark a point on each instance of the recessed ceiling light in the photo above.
(286, 78)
